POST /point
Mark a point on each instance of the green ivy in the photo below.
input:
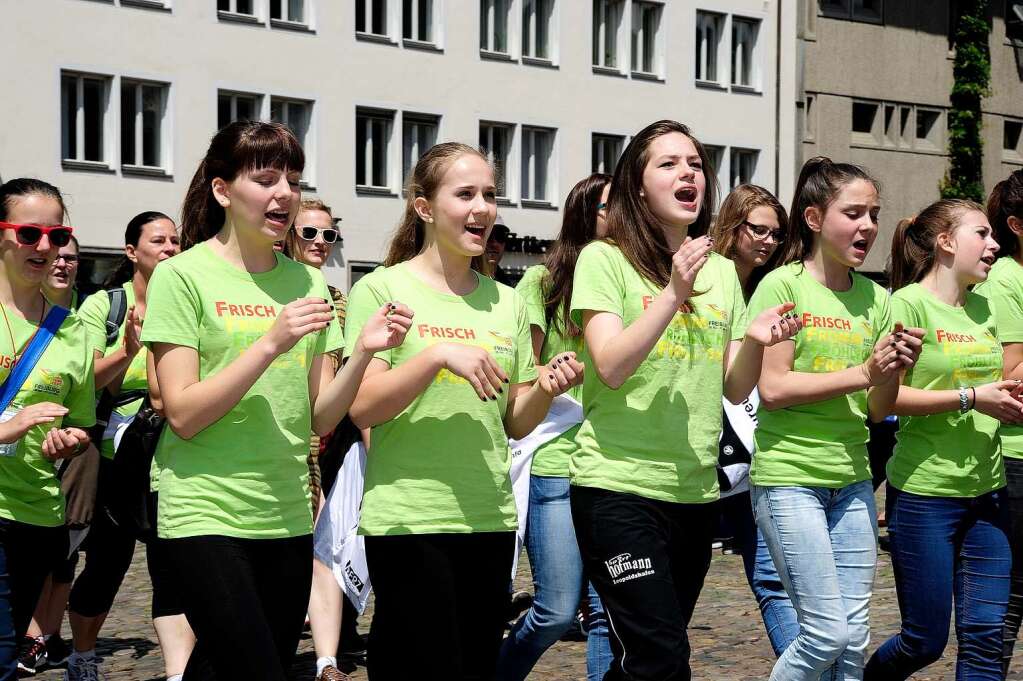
(972, 81)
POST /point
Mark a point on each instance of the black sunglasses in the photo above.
(761, 232)
(309, 232)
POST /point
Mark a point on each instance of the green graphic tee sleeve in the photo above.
(81, 398)
(1004, 289)
(598, 284)
(530, 287)
(525, 369)
(93, 313)
(771, 292)
(172, 310)
(365, 298)
(740, 318)
(331, 338)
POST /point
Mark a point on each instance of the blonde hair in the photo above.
(410, 236)
(291, 239)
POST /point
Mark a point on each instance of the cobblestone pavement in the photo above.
(727, 636)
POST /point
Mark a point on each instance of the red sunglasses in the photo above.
(29, 235)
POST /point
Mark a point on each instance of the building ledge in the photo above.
(607, 71)
(156, 5)
(87, 166)
(374, 38)
(384, 192)
(235, 18)
(746, 90)
(422, 45)
(711, 85)
(286, 25)
(537, 61)
(496, 56)
(650, 77)
(543, 205)
(505, 201)
(146, 171)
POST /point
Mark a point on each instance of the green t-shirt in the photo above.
(245, 475)
(93, 313)
(949, 454)
(29, 492)
(820, 444)
(442, 465)
(1004, 288)
(657, 435)
(552, 457)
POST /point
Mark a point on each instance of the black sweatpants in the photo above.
(647, 559)
(245, 600)
(440, 604)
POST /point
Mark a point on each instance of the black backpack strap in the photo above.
(118, 310)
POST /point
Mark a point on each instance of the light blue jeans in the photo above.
(558, 584)
(824, 544)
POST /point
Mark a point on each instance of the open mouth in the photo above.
(277, 216)
(686, 195)
(37, 262)
(476, 230)
(989, 260)
(861, 245)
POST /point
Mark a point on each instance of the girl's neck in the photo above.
(25, 300)
(445, 271)
(139, 285)
(244, 250)
(828, 271)
(745, 272)
(675, 235)
(62, 297)
(943, 284)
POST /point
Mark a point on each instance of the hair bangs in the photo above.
(269, 146)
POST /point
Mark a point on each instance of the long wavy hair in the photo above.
(239, 147)
(632, 226)
(409, 238)
(914, 245)
(578, 228)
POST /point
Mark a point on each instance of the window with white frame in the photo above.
(417, 21)
(297, 114)
(538, 29)
(371, 17)
(537, 164)
(1012, 135)
(83, 117)
(715, 157)
(143, 112)
(494, 25)
(607, 21)
(710, 27)
(743, 166)
(858, 10)
(745, 72)
(605, 152)
(418, 134)
(373, 129)
(646, 29)
(293, 11)
(496, 140)
(246, 7)
(237, 106)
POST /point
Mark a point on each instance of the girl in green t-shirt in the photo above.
(240, 337)
(554, 558)
(437, 510)
(48, 416)
(811, 484)
(1004, 288)
(665, 329)
(150, 237)
(948, 521)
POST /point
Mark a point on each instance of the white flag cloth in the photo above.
(336, 539)
(565, 413)
(743, 419)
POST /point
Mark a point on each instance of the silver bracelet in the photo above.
(964, 401)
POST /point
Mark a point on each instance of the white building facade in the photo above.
(115, 101)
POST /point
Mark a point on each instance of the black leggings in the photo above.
(245, 600)
(440, 604)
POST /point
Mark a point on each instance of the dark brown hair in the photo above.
(820, 181)
(632, 226)
(26, 186)
(735, 210)
(578, 228)
(239, 147)
(1006, 200)
(132, 235)
(410, 237)
(914, 244)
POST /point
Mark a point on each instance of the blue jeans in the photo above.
(945, 548)
(558, 583)
(823, 543)
(775, 607)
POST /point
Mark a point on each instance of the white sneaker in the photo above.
(82, 669)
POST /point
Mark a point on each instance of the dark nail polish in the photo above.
(500, 390)
(506, 380)
(483, 399)
(560, 360)
(494, 398)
